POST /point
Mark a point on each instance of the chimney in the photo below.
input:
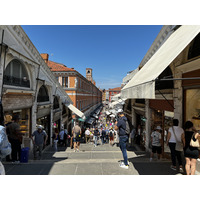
(45, 57)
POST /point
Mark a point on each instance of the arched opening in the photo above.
(194, 50)
(43, 94)
(55, 103)
(166, 74)
(16, 74)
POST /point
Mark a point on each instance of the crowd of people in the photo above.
(180, 140)
(180, 144)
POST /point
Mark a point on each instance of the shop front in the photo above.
(139, 120)
(191, 108)
(162, 113)
(19, 104)
(44, 119)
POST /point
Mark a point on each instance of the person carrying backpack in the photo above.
(111, 136)
(76, 131)
(124, 130)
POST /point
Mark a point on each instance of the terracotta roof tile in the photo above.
(57, 67)
(115, 89)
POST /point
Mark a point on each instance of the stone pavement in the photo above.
(100, 160)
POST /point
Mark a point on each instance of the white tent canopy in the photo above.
(142, 85)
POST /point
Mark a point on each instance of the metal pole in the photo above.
(163, 129)
(179, 79)
(166, 99)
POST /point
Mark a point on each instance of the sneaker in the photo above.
(150, 159)
(122, 165)
(173, 167)
(122, 162)
(181, 170)
(74, 150)
(77, 150)
(16, 162)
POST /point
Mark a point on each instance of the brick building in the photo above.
(83, 91)
(114, 91)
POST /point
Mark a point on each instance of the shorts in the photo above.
(111, 138)
(76, 139)
(156, 149)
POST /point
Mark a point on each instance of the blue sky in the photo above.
(111, 50)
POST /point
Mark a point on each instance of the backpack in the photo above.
(5, 146)
(127, 130)
(111, 133)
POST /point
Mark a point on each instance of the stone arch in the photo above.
(16, 74)
(167, 73)
(194, 50)
(56, 104)
(43, 94)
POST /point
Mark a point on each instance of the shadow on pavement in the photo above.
(36, 167)
(145, 167)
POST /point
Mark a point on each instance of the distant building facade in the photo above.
(82, 91)
(113, 91)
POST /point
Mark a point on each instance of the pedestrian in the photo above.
(191, 153)
(65, 138)
(39, 139)
(87, 135)
(91, 135)
(123, 138)
(15, 138)
(96, 134)
(175, 140)
(103, 135)
(61, 137)
(76, 131)
(138, 136)
(55, 139)
(5, 146)
(107, 135)
(156, 143)
(111, 136)
(132, 136)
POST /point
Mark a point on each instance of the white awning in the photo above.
(75, 110)
(116, 97)
(142, 85)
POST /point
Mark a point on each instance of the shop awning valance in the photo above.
(75, 110)
(142, 85)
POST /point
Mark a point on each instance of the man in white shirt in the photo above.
(87, 135)
(156, 142)
(171, 141)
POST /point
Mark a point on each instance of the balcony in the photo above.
(11, 80)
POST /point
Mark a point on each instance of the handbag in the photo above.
(179, 145)
(194, 143)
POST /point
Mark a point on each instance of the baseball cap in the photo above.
(120, 111)
(158, 128)
(40, 127)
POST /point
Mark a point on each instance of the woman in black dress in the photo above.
(191, 153)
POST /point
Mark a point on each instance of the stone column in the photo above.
(178, 99)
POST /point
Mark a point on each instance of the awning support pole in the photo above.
(166, 99)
